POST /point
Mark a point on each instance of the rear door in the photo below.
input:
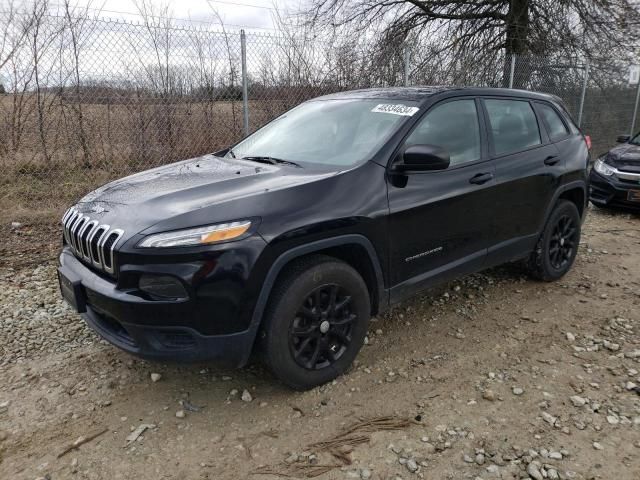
(527, 167)
(439, 220)
(565, 136)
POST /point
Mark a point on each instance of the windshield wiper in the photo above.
(271, 161)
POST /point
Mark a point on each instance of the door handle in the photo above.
(551, 160)
(481, 178)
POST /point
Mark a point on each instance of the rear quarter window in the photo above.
(555, 126)
(567, 116)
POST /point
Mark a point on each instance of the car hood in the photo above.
(625, 157)
(174, 191)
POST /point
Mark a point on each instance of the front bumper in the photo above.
(611, 192)
(152, 329)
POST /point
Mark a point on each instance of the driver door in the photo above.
(440, 220)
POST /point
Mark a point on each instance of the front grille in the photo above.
(630, 181)
(91, 241)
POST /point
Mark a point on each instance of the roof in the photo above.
(421, 93)
(390, 93)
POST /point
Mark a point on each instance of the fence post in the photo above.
(635, 112)
(245, 84)
(513, 69)
(585, 81)
(406, 64)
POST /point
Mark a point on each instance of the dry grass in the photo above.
(46, 173)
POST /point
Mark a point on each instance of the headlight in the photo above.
(197, 236)
(603, 169)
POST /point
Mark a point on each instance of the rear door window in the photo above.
(454, 126)
(555, 126)
(513, 125)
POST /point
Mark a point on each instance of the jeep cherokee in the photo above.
(288, 242)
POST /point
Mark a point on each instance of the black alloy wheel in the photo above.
(557, 247)
(563, 242)
(321, 331)
(316, 321)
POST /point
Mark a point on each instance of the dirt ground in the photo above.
(491, 376)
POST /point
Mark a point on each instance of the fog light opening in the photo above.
(162, 287)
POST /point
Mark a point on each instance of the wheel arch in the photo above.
(354, 249)
(577, 195)
(575, 192)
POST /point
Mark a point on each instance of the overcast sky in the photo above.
(252, 14)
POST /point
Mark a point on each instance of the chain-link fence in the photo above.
(85, 100)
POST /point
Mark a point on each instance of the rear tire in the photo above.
(557, 247)
(316, 321)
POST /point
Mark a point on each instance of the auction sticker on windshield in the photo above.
(396, 109)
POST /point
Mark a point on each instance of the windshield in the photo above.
(328, 132)
(635, 140)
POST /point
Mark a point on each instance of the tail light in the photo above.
(587, 139)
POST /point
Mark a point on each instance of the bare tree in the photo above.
(78, 26)
(234, 84)
(13, 33)
(41, 37)
(204, 82)
(158, 24)
(464, 28)
(9, 41)
(20, 105)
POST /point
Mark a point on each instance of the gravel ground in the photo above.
(33, 318)
(493, 376)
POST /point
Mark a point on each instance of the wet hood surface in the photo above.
(147, 198)
(625, 157)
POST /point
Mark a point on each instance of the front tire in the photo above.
(557, 247)
(316, 321)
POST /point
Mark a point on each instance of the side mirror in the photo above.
(623, 138)
(421, 158)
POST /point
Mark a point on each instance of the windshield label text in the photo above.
(396, 109)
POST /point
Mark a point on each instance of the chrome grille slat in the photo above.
(76, 234)
(66, 215)
(91, 241)
(70, 220)
(110, 268)
(95, 259)
(81, 230)
(72, 214)
(84, 236)
(65, 223)
(72, 230)
(100, 245)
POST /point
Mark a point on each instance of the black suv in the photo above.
(615, 178)
(288, 242)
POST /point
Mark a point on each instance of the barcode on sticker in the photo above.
(395, 109)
